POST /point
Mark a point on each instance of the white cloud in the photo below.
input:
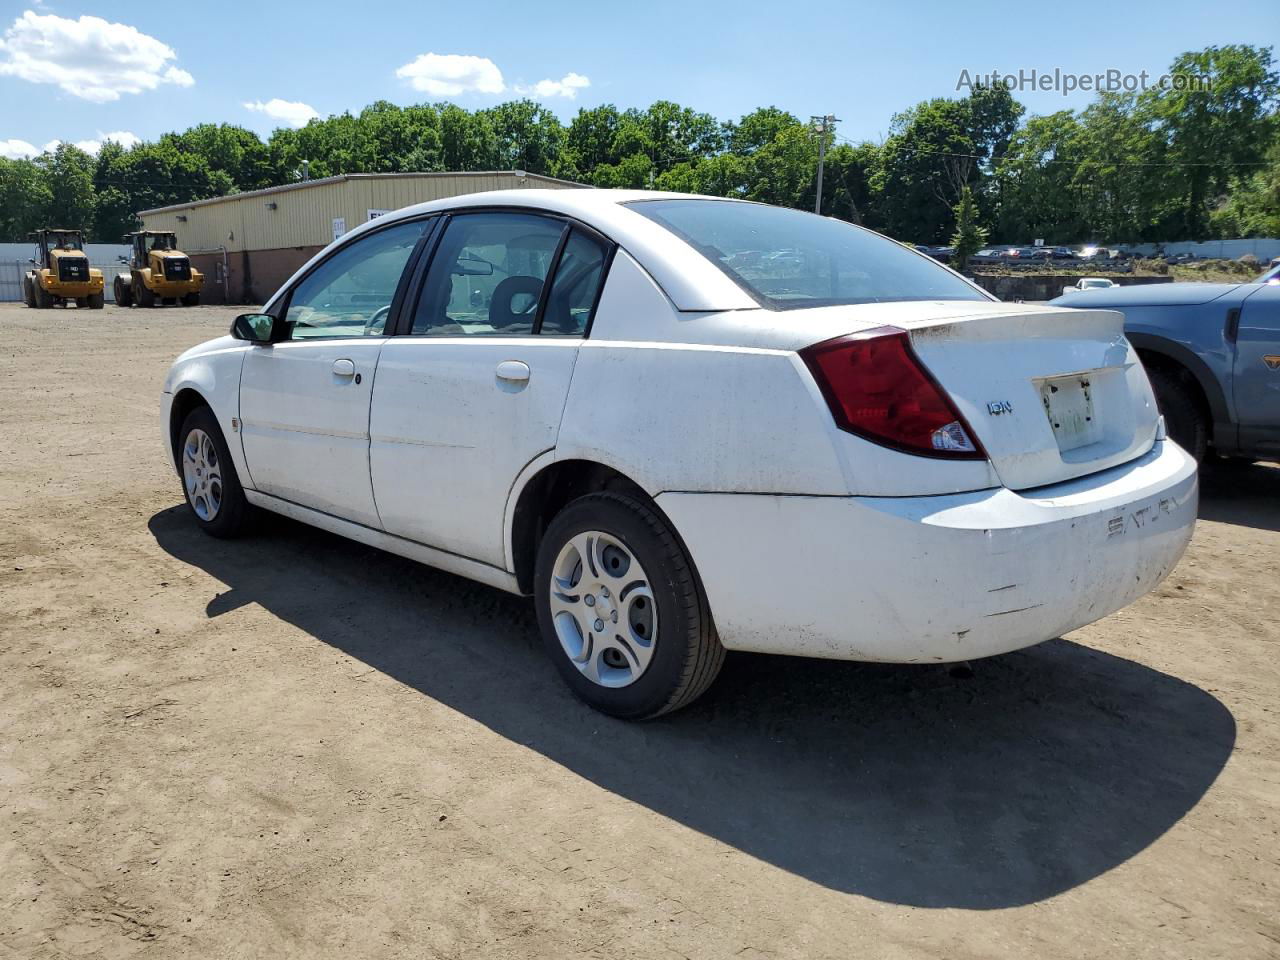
(88, 58)
(292, 112)
(449, 74)
(122, 137)
(13, 149)
(17, 149)
(567, 87)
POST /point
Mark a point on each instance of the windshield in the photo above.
(787, 259)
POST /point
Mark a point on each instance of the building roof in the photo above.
(304, 184)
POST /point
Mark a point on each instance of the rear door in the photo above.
(304, 402)
(476, 388)
(1256, 372)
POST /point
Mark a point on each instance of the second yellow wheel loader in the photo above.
(158, 272)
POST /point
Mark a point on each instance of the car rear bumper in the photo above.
(939, 578)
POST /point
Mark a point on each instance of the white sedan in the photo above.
(686, 425)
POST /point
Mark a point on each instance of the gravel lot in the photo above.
(295, 746)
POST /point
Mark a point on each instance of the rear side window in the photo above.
(575, 287)
(788, 259)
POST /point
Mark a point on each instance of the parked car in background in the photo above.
(1062, 253)
(1212, 351)
(596, 398)
(988, 255)
(1097, 253)
(1089, 283)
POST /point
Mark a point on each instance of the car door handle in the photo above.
(344, 368)
(513, 370)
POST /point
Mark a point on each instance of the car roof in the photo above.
(692, 281)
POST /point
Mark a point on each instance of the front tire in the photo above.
(209, 479)
(41, 300)
(191, 299)
(1184, 418)
(124, 295)
(621, 610)
(28, 291)
(96, 301)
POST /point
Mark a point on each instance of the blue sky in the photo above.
(155, 67)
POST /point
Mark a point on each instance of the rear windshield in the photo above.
(787, 259)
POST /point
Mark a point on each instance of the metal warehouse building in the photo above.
(248, 244)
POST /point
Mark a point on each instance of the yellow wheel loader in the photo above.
(158, 272)
(62, 273)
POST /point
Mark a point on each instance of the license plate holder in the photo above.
(1068, 404)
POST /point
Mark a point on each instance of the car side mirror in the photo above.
(254, 327)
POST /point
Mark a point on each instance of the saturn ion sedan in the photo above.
(687, 425)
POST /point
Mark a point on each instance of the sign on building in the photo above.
(375, 214)
(339, 227)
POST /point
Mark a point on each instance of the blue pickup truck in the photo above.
(1212, 351)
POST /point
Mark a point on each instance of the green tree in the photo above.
(68, 172)
(1035, 182)
(1217, 134)
(529, 137)
(970, 236)
(25, 198)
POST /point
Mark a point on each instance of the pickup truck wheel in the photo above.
(621, 610)
(209, 480)
(1184, 418)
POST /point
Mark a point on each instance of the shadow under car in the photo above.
(1033, 773)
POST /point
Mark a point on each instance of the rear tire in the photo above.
(649, 614)
(41, 299)
(210, 483)
(82, 302)
(145, 297)
(28, 291)
(191, 300)
(1185, 420)
(124, 295)
(96, 301)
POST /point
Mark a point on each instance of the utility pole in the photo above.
(821, 126)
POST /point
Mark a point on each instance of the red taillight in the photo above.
(877, 388)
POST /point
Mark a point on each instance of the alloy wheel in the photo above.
(603, 609)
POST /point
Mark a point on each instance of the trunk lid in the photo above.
(1050, 393)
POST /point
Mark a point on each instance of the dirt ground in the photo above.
(295, 746)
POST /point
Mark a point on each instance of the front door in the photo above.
(477, 388)
(304, 402)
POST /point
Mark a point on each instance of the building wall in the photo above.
(262, 247)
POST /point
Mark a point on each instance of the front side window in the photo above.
(788, 259)
(349, 295)
(486, 276)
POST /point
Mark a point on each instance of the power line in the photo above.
(1153, 163)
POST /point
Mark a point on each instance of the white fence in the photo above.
(1264, 248)
(11, 272)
